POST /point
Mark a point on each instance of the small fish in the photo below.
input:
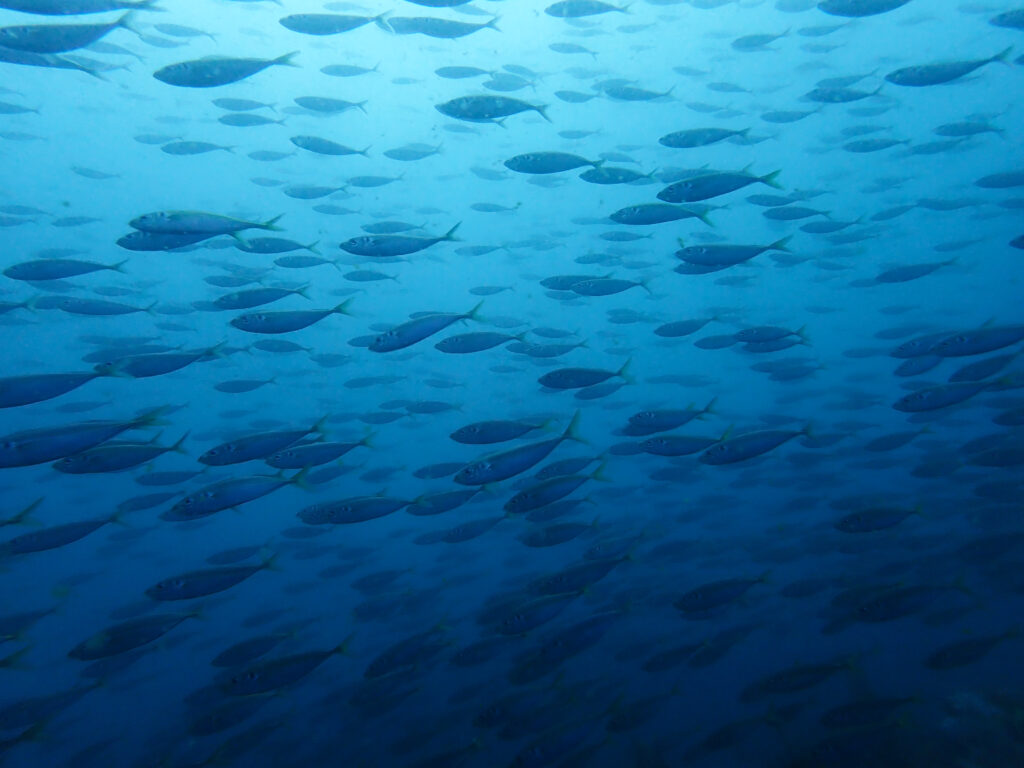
(216, 71)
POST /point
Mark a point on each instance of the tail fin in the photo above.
(271, 224)
(286, 60)
(22, 518)
(771, 179)
(1003, 55)
(572, 431)
(450, 234)
(624, 371)
(342, 309)
(177, 446)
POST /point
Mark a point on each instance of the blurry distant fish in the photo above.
(212, 72)
(937, 74)
(321, 24)
(57, 38)
(575, 9)
(487, 109)
(75, 7)
(859, 8)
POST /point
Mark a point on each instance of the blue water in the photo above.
(830, 577)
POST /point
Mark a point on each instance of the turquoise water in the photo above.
(569, 385)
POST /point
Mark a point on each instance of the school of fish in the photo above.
(478, 383)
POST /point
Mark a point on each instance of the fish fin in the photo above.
(177, 446)
(14, 660)
(269, 560)
(24, 517)
(342, 647)
(271, 224)
(771, 179)
(450, 234)
(342, 309)
(299, 479)
(286, 59)
(474, 313)
(318, 427)
(1003, 55)
(624, 371)
(126, 22)
(709, 408)
(572, 431)
(599, 475)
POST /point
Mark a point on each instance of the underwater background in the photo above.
(507, 384)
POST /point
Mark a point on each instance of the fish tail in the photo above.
(342, 647)
(572, 431)
(599, 475)
(23, 517)
(271, 224)
(624, 371)
(780, 245)
(14, 660)
(1003, 55)
(342, 309)
(177, 446)
(299, 479)
(450, 234)
(286, 60)
(126, 22)
(153, 417)
(771, 179)
(493, 24)
(542, 109)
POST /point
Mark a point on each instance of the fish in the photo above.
(286, 321)
(58, 38)
(488, 109)
(217, 71)
(505, 464)
(419, 328)
(386, 246)
(938, 74)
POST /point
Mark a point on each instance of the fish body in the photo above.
(216, 71)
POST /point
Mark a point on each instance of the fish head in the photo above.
(165, 588)
(149, 220)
